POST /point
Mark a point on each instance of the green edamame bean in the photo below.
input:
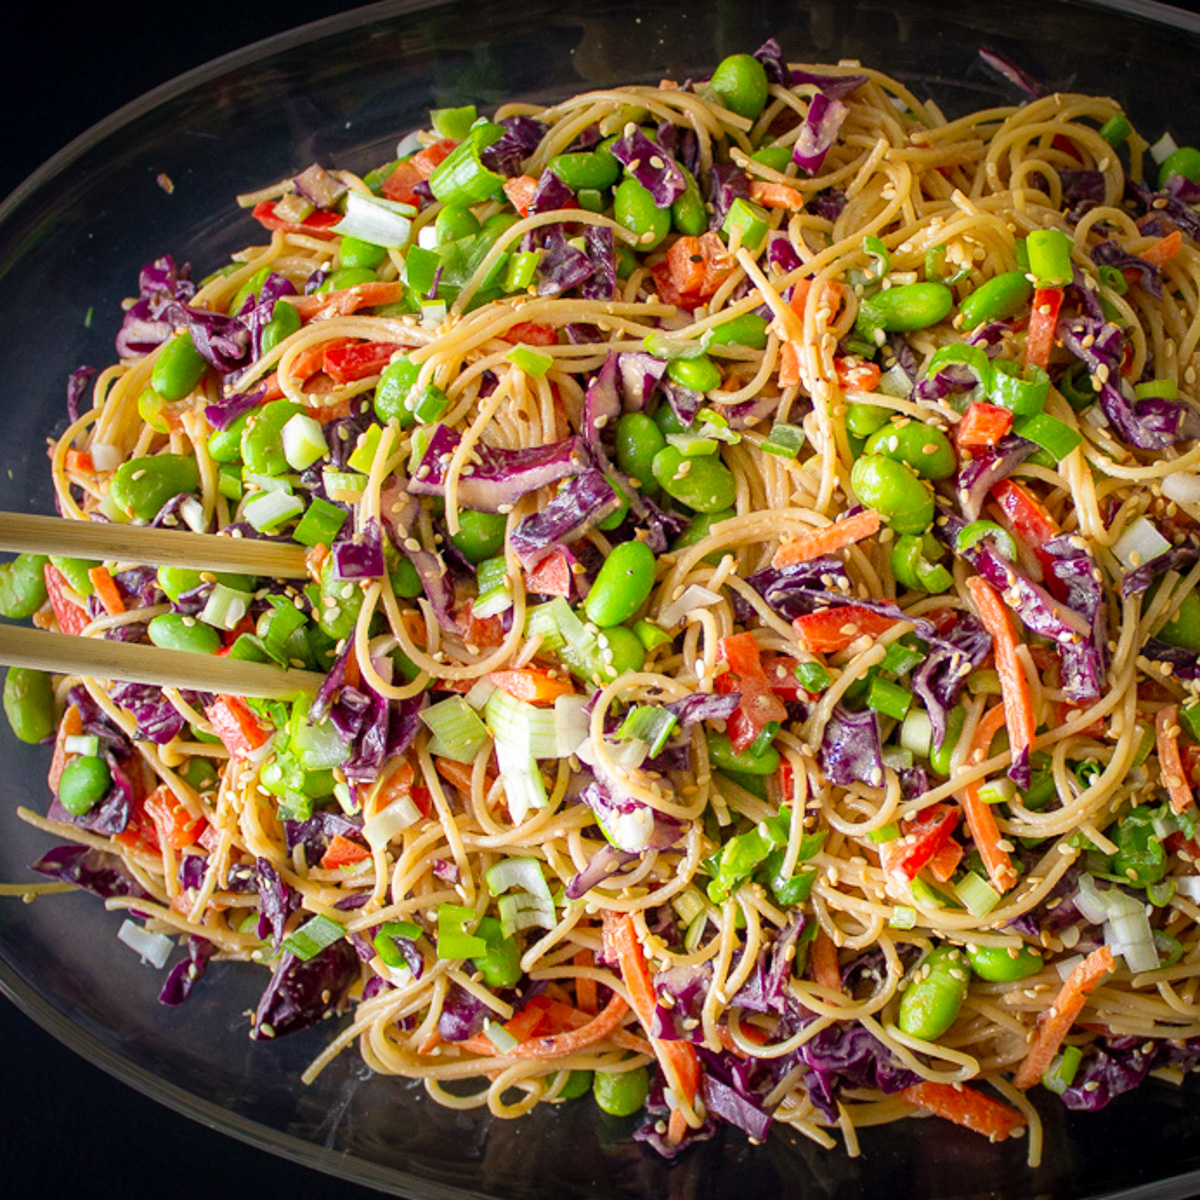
(747, 330)
(142, 486)
(29, 703)
(635, 210)
(621, 650)
(622, 585)
(894, 491)
(996, 300)
(627, 261)
(393, 390)
(935, 993)
(225, 445)
(83, 784)
(939, 756)
(174, 581)
(347, 277)
(501, 965)
(1183, 628)
(480, 534)
(579, 1083)
(354, 252)
(405, 581)
(586, 169)
(639, 439)
(740, 82)
(178, 368)
(22, 586)
(200, 773)
(1184, 161)
(700, 527)
(1004, 964)
(903, 309)
(703, 484)
(173, 631)
(262, 439)
(688, 211)
(340, 601)
(862, 420)
(700, 374)
(248, 291)
(621, 1094)
(75, 572)
(285, 320)
(724, 757)
(455, 221)
(667, 421)
(924, 448)
(775, 157)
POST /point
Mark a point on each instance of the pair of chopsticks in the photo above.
(102, 659)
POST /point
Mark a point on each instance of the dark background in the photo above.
(70, 1130)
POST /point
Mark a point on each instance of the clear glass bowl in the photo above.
(342, 93)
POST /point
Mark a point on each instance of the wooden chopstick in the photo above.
(66, 654)
(149, 546)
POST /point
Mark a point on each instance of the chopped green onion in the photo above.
(376, 220)
(1060, 1074)
(495, 1033)
(453, 123)
(693, 445)
(976, 531)
(495, 593)
(903, 917)
(916, 733)
(1114, 279)
(523, 726)
(1024, 393)
(320, 524)
(431, 405)
(521, 270)
(649, 724)
(453, 941)
(959, 354)
(1049, 257)
(523, 910)
(530, 361)
(652, 636)
(1166, 388)
(784, 440)
(813, 677)
(303, 441)
(225, 606)
(977, 895)
(313, 936)
(889, 698)
(363, 454)
(385, 945)
(1116, 130)
(748, 222)
(874, 247)
(461, 178)
(664, 346)
(456, 732)
(900, 658)
(1056, 437)
(885, 833)
(347, 486)
(984, 682)
(997, 791)
(268, 510)
(87, 744)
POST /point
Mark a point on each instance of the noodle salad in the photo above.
(751, 530)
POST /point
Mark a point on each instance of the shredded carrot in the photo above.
(345, 301)
(980, 819)
(1164, 249)
(106, 590)
(967, 1107)
(825, 962)
(776, 195)
(1014, 685)
(827, 539)
(945, 862)
(1170, 765)
(430, 1043)
(70, 726)
(678, 1059)
(676, 1127)
(789, 364)
(455, 773)
(586, 992)
(520, 190)
(342, 852)
(79, 461)
(1056, 1023)
(531, 685)
(557, 1045)
(832, 295)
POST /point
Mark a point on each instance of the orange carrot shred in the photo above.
(827, 539)
(967, 1107)
(776, 195)
(106, 590)
(1170, 765)
(980, 819)
(1164, 249)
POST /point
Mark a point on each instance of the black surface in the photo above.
(74, 1131)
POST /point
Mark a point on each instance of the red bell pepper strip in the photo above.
(759, 706)
(920, 841)
(235, 725)
(316, 224)
(1043, 320)
(349, 362)
(834, 629)
(70, 617)
(983, 425)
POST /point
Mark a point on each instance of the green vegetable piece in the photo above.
(722, 755)
(621, 650)
(1002, 964)
(904, 309)
(461, 178)
(894, 491)
(1185, 161)
(1116, 130)
(225, 445)
(935, 993)
(285, 321)
(1183, 627)
(862, 420)
(1000, 298)
(700, 373)
(23, 586)
(480, 534)
(939, 756)
(703, 484)
(454, 222)
(1049, 253)
(354, 252)
(200, 773)
(1022, 391)
(178, 368)
(501, 965)
(749, 329)
(141, 486)
(1140, 856)
(750, 222)
(29, 703)
(347, 277)
(173, 631)
(262, 439)
(775, 157)
(338, 604)
(249, 290)
(453, 122)
(586, 169)
(639, 439)
(579, 1083)
(740, 84)
(83, 784)
(923, 447)
(623, 584)
(689, 213)
(634, 209)
(621, 1094)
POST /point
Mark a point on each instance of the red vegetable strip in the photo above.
(980, 819)
(70, 617)
(106, 590)
(827, 539)
(834, 629)
(1056, 1023)
(1170, 765)
(1043, 319)
(983, 425)
(967, 1107)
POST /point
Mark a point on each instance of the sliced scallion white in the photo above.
(694, 597)
(456, 732)
(87, 744)
(1140, 543)
(303, 441)
(524, 788)
(373, 219)
(522, 726)
(571, 723)
(977, 896)
(154, 948)
(495, 1033)
(389, 821)
(225, 606)
(916, 733)
(268, 510)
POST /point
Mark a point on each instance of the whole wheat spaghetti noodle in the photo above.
(752, 531)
